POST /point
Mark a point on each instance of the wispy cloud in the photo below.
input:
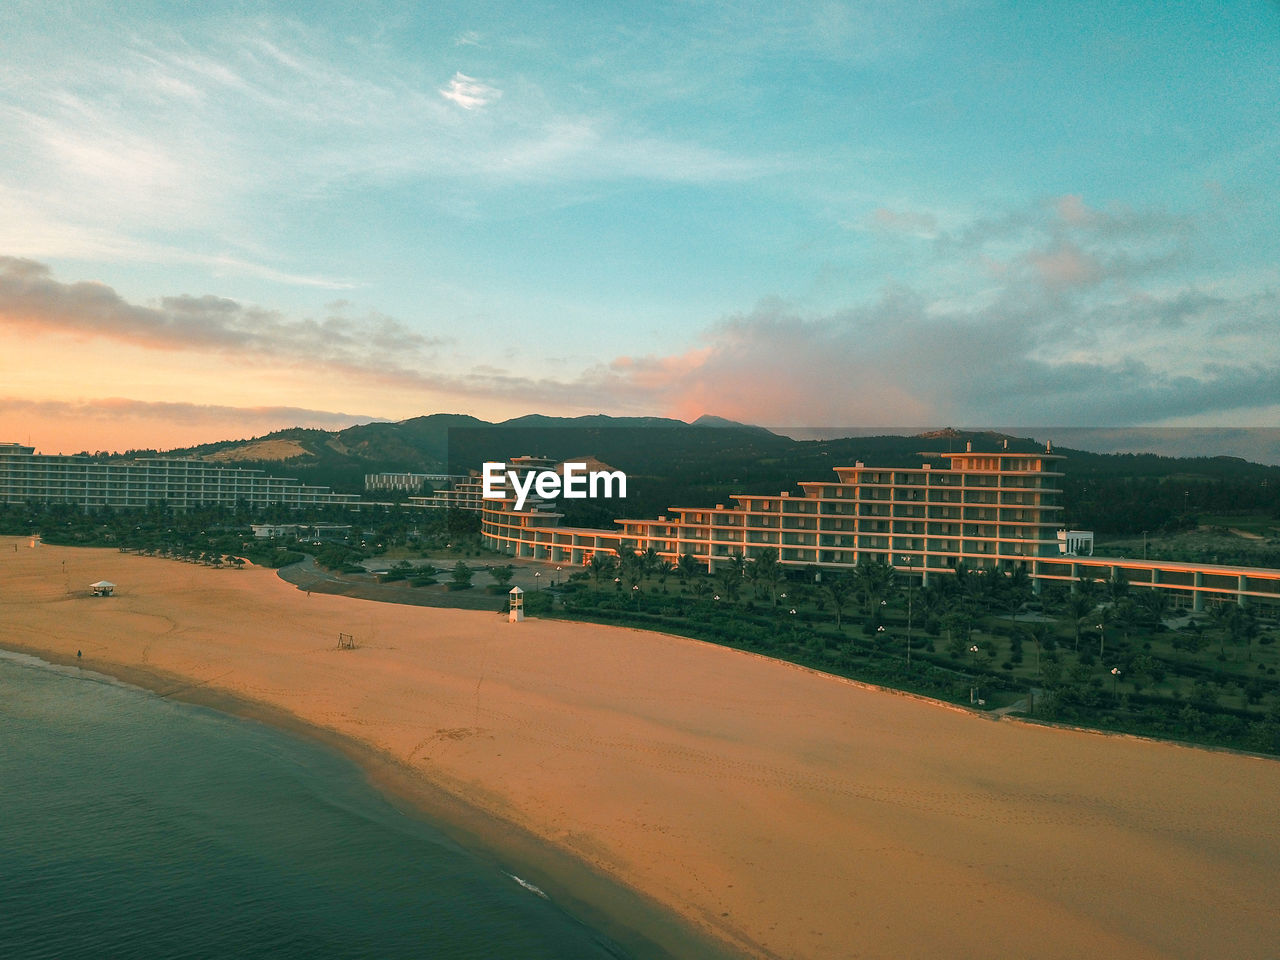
(469, 93)
(159, 137)
(32, 299)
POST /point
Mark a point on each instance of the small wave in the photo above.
(68, 670)
(532, 888)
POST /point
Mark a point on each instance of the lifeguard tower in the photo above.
(516, 613)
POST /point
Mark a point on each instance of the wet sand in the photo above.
(773, 810)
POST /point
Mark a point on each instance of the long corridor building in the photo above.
(989, 511)
(29, 477)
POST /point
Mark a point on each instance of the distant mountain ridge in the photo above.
(423, 444)
(673, 463)
(452, 443)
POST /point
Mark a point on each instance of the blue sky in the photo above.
(223, 218)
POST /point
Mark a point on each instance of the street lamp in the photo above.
(1115, 677)
(1102, 639)
(536, 581)
(973, 691)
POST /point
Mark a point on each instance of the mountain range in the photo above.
(673, 463)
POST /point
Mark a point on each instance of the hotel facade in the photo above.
(28, 477)
(988, 511)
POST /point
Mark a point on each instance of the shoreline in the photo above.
(687, 799)
(341, 585)
(378, 593)
(643, 929)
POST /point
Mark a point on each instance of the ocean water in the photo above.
(136, 827)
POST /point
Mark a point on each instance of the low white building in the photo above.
(1075, 543)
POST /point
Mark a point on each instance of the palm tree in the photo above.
(633, 569)
(649, 560)
(1156, 604)
(1087, 587)
(1117, 584)
(958, 619)
(600, 565)
(1237, 624)
(663, 571)
(873, 579)
(687, 567)
(768, 572)
(729, 581)
(986, 588)
(1079, 606)
(930, 600)
(839, 588)
(1105, 615)
(1037, 632)
(1018, 588)
(736, 562)
(1245, 627)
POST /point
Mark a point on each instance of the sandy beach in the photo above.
(772, 810)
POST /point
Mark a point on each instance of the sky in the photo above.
(225, 218)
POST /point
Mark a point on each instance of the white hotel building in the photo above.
(28, 477)
(989, 511)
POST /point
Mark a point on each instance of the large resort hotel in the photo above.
(26, 476)
(988, 511)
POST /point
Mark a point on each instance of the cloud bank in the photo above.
(1055, 313)
(1062, 314)
(32, 300)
